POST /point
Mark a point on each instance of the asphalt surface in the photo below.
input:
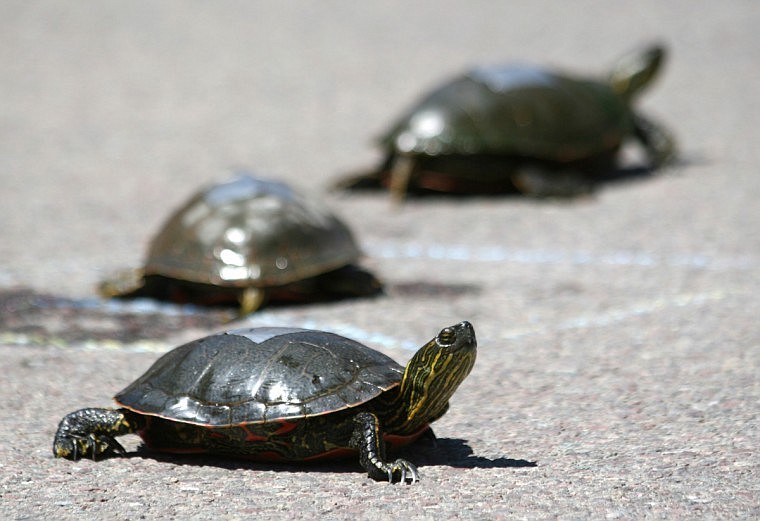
(619, 343)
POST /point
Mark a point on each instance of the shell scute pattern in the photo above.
(276, 374)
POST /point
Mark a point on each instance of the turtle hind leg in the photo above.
(368, 440)
(124, 284)
(91, 432)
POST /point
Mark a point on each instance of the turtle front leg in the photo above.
(658, 142)
(91, 432)
(368, 439)
(250, 300)
(401, 172)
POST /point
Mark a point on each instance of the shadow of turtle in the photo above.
(456, 452)
(451, 452)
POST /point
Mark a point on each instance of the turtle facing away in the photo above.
(520, 128)
(246, 241)
(281, 394)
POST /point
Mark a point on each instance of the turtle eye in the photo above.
(447, 336)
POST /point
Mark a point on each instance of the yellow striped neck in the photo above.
(430, 379)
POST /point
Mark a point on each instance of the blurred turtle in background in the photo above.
(244, 242)
(520, 128)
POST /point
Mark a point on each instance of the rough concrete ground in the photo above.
(619, 339)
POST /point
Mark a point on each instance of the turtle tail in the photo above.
(636, 70)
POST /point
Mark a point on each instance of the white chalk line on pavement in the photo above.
(372, 338)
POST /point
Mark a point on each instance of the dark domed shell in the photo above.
(250, 232)
(516, 111)
(258, 375)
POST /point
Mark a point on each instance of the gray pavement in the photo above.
(619, 339)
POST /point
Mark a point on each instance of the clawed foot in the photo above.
(406, 472)
(368, 441)
(92, 433)
(76, 446)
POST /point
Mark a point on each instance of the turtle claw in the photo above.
(407, 470)
(76, 447)
(104, 444)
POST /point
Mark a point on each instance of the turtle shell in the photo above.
(249, 232)
(260, 375)
(516, 110)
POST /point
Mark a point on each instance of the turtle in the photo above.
(246, 241)
(281, 394)
(520, 128)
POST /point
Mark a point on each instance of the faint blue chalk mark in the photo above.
(373, 338)
(501, 254)
(614, 316)
(581, 322)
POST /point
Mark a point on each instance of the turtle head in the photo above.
(636, 70)
(433, 374)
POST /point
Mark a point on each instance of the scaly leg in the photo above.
(658, 142)
(401, 176)
(368, 439)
